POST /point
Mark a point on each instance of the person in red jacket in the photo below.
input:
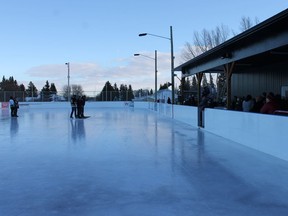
(270, 106)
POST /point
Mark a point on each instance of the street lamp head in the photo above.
(136, 54)
(143, 34)
(67, 63)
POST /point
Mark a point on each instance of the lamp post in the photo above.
(172, 57)
(68, 77)
(155, 59)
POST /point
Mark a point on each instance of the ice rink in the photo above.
(130, 162)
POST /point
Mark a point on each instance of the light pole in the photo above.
(155, 59)
(172, 57)
(68, 77)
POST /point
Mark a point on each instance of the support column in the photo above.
(199, 77)
(181, 90)
(228, 68)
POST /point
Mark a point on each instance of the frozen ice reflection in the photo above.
(131, 162)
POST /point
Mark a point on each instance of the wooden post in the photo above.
(181, 90)
(228, 68)
(199, 77)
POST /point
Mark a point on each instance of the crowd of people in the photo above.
(77, 106)
(265, 103)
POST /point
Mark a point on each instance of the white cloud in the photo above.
(136, 71)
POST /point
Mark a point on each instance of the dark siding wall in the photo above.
(257, 80)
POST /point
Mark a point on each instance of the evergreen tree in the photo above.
(212, 87)
(11, 87)
(139, 93)
(45, 92)
(115, 93)
(9, 84)
(31, 90)
(211, 82)
(53, 89)
(130, 93)
(165, 86)
(194, 85)
(106, 93)
(22, 88)
(123, 92)
(185, 87)
(204, 80)
(221, 86)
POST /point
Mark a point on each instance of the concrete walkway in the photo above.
(126, 161)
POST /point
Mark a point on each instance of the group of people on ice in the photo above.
(77, 105)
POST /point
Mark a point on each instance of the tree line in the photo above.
(10, 87)
(113, 93)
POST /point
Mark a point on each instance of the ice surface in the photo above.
(125, 161)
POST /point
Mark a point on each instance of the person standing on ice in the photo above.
(169, 100)
(79, 107)
(16, 107)
(12, 106)
(83, 105)
(73, 102)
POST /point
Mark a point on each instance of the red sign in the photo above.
(4, 104)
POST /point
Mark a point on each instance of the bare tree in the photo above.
(77, 90)
(204, 41)
(246, 23)
(74, 90)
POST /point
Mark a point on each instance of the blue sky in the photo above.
(99, 38)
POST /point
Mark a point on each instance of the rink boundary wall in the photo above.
(266, 133)
(56, 105)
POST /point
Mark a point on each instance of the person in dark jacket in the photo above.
(169, 100)
(270, 106)
(80, 107)
(73, 102)
(16, 107)
(259, 102)
(83, 105)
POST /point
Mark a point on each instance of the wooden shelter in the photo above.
(254, 61)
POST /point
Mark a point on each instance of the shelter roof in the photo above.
(265, 43)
